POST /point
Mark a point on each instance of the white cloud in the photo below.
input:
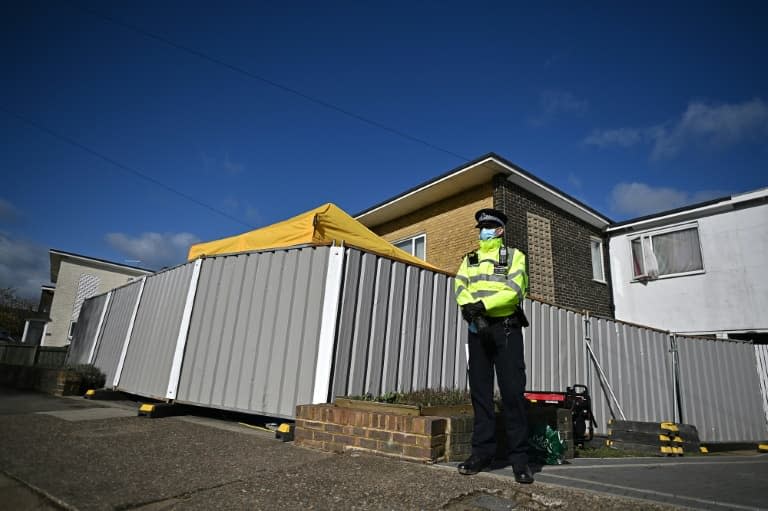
(637, 199)
(8, 211)
(718, 125)
(24, 266)
(553, 103)
(622, 137)
(700, 125)
(153, 250)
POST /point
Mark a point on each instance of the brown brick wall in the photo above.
(415, 438)
(337, 429)
(449, 226)
(571, 249)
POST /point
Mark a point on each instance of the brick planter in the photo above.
(68, 384)
(401, 433)
(337, 429)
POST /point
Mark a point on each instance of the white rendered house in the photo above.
(700, 269)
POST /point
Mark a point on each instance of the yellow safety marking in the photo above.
(284, 428)
(666, 450)
(609, 443)
(254, 427)
(677, 450)
(677, 439)
(664, 438)
(703, 450)
(762, 447)
(671, 426)
(146, 408)
(90, 392)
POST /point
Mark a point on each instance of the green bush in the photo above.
(91, 376)
(424, 397)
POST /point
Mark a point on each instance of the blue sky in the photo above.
(631, 109)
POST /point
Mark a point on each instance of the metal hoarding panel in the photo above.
(761, 356)
(153, 341)
(254, 331)
(554, 348)
(399, 329)
(720, 390)
(112, 336)
(85, 330)
(632, 377)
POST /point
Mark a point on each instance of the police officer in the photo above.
(490, 286)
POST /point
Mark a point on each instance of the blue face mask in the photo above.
(487, 233)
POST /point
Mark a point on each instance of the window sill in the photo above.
(600, 282)
(643, 280)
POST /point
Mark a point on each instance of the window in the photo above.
(71, 329)
(597, 260)
(670, 252)
(414, 246)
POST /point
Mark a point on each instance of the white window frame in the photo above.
(599, 242)
(657, 232)
(412, 240)
(71, 331)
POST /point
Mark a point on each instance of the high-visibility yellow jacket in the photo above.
(500, 288)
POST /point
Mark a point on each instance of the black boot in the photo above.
(523, 475)
(473, 465)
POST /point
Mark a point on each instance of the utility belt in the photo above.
(509, 321)
(515, 320)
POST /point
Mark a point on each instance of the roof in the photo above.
(468, 175)
(325, 225)
(692, 211)
(57, 256)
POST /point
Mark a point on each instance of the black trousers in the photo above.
(500, 347)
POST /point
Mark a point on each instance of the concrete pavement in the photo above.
(83, 457)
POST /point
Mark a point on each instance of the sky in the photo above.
(131, 130)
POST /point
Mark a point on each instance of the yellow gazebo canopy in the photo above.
(324, 225)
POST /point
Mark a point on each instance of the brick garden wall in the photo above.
(50, 381)
(415, 438)
(336, 429)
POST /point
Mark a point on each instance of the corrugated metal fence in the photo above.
(262, 332)
(398, 329)
(761, 354)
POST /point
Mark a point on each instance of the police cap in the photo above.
(490, 216)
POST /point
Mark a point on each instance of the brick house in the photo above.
(563, 238)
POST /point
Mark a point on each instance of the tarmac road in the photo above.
(71, 453)
(714, 481)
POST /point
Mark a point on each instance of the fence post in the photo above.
(676, 396)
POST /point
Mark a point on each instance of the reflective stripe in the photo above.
(485, 277)
(517, 290)
(460, 290)
(482, 293)
(463, 279)
(511, 276)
